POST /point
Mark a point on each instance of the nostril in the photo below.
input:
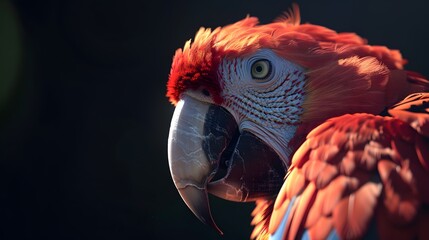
(206, 92)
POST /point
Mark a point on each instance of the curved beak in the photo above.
(207, 153)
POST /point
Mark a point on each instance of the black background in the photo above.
(83, 131)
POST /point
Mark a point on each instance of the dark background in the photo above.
(84, 119)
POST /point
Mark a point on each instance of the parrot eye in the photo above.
(261, 69)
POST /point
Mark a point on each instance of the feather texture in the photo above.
(379, 176)
(342, 60)
(261, 218)
(349, 170)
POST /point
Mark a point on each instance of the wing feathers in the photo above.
(356, 168)
(414, 110)
(422, 152)
(352, 213)
(322, 228)
(306, 199)
(401, 198)
(261, 218)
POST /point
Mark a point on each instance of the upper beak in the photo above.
(205, 144)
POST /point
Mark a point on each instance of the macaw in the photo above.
(327, 134)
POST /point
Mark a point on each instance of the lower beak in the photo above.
(207, 153)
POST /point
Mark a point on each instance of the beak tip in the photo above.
(219, 231)
(212, 224)
(197, 201)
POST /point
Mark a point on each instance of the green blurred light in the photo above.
(10, 50)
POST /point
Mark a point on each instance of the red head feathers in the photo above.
(341, 67)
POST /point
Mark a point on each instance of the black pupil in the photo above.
(259, 68)
(206, 92)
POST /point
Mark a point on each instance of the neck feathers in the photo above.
(356, 84)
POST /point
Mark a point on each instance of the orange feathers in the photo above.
(342, 59)
(379, 176)
(351, 170)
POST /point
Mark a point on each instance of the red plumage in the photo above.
(195, 67)
(351, 168)
(380, 173)
(331, 58)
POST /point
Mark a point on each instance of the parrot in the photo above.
(327, 134)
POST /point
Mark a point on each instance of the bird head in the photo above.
(246, 95)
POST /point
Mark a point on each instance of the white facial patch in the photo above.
(270, 107)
